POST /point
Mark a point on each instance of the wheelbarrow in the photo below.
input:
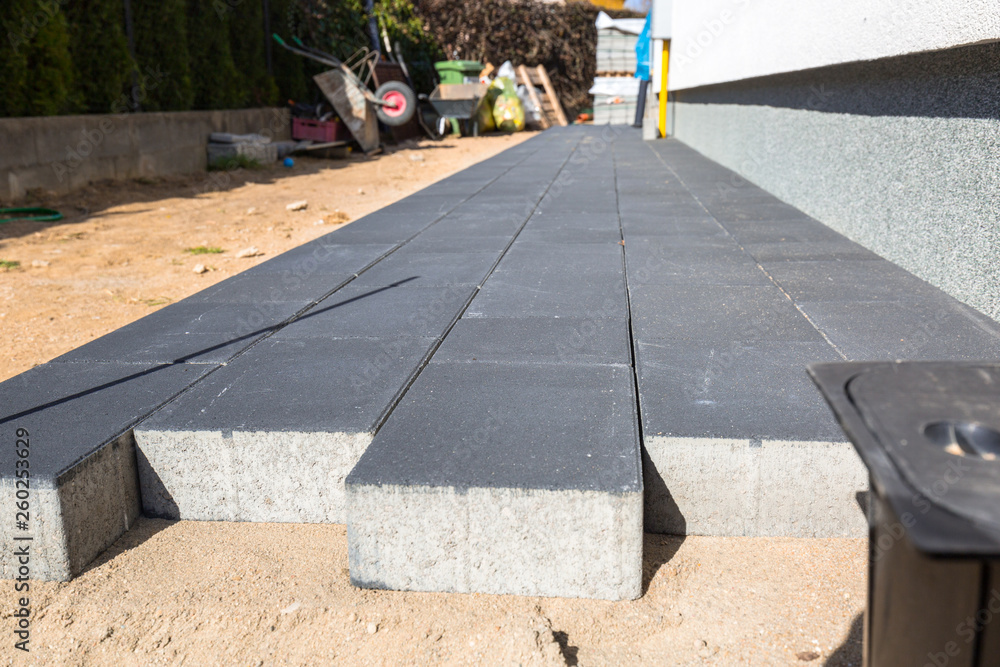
(459, 102)
(394, 101)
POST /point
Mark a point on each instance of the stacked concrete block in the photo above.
(497, 383)
(616, 51)
(310, 398)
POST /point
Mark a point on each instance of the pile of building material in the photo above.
(615, 89)
(224, 147)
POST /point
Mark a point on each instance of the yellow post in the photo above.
(663, 88)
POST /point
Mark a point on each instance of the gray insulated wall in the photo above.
(902, 155)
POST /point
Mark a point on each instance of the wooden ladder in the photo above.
(552, 111)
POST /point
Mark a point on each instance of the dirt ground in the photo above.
(273, 594)
(196, 593)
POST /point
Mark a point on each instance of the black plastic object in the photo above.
(930, 435)
(640, 104)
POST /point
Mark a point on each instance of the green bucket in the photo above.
(456, 71)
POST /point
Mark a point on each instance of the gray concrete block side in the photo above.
(754, 488)
(266, 476)
(498, 541)
(72, 523)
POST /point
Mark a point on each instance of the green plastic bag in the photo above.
(508, 113)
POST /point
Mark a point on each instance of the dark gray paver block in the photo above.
(498, 478)
(564, 236)
(430, 269)
(189, 332)
(309, 406)
(82, 460)
(754, 210)
(806, 231)
(735, 442)
(375, 233)
(479, 223)
(652, 208)
(440, 241)
(321, 256)
(847, 280)
(540, 260)
(270, 286)
(733, 389)
(799, 251)
(556, 221)
(543, 427)
(917, 329)
(657, 261)
(390, 311)
(507, 294)
(538, 340)
(671, 226)
(716, 313)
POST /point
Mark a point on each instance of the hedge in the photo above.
(72, 56)
(36, 69)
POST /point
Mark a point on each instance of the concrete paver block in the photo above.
(392, 310)
(333, 395)
(189, 332)
(83, 485)
(488, 471)
(538, 340)
(716, 312)
(426, 269)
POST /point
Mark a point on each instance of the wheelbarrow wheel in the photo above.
(401, 103)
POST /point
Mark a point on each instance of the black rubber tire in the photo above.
(398, 89)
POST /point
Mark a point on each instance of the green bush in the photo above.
(36, 71)
(292, 73)
(100, 54)
(71, 56)
(246, 38)
(161, 53)
(214, 78)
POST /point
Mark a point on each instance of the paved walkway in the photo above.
(498, 382)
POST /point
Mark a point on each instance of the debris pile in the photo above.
(562, 37)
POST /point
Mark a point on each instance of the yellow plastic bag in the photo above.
(484, 115)
(508, 113)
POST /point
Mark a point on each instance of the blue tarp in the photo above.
(642, 51)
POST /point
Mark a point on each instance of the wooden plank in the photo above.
(352, 107)
(522, 71)
(551, 92)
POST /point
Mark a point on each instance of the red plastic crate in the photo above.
(319, 131)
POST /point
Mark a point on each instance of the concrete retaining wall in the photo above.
(898, 154)
(61, 153)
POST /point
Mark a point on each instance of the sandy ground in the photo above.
(272, 594)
